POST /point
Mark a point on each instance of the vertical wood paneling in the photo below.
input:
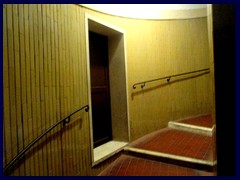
(37, 80)
(31, 61)
(54, 110)
(67, 78)
(18, 84)
(42, 96)
(38, 158)
(79, 88)
(70, 80)
(12, 80)
(62, 78)
(6, 99)
(57, 50)
(29, 119)
(23, 80)
(44, 90)
(50, 88)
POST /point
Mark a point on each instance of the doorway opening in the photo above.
(100, 90)
(107, 88)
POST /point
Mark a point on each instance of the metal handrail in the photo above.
(65, 120)
(168, 77)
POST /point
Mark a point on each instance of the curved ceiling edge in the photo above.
(151, 11)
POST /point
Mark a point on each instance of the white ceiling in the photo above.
(152, 11)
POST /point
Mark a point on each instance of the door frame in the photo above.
(105, 28)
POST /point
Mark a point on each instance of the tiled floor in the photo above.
(133, 166)
(204, 121)
(178, 142)
(172, 142)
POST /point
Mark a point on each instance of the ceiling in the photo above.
(151, 11)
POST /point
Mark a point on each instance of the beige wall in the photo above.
(160, 48)
(45, 79)
(168, 47)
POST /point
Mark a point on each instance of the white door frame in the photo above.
(103, 28)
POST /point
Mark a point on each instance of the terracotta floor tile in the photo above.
(171, 141)
(184, 144)
(204, 121)
(145, 167)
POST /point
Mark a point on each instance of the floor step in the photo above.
(192, 128)
(127, 165)
(172, 159)
(201, 124)
(200, 120)
(176, 146)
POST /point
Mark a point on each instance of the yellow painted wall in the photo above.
(45, 78)
(161, 48)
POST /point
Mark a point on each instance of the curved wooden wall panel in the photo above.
(44, 80)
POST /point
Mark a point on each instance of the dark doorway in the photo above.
(100, 91)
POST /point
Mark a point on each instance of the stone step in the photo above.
(192, 128)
